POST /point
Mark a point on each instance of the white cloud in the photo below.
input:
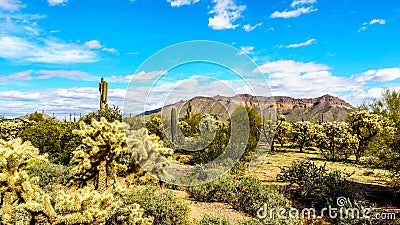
(29, 75)
(370, 23)
(23, 40)
(94, 44)
(302, 2)
(298, 8)
(110, 50)
(293, 13)
(291, 66)
(249, 28)
(226, 12)
(377, 21)
(69, 74)
(138, 76)
(45, 51)
(57, 2)
(11, 5)
(60, 101)
(299, 79)
(178, 3)
(381, 75)
(306, 43)
(246, 50)
(365, 96)
(362, 29)
(19, 76)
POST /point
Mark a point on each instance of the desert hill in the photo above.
(330, 107)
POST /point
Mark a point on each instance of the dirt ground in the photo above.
(371, 183)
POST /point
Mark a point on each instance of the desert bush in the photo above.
(214, 220)
(155, 126)
(251, 221)
(245, 194)
(9, 129)
(216, 191)
(315, 185)
(53, 138)
(193, 122)
(50, 174)
(109, 113)
(160, 204)
(210, 127)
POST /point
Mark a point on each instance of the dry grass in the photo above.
(269, 169)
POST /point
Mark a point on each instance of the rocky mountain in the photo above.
(329, 107)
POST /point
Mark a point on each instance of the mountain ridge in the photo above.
(328, 107)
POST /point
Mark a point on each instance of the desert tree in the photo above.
(365, 126)
(302, 133)
(334, 140)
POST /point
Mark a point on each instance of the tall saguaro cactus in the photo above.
(189, 111)
(103, 89)
(174, 123)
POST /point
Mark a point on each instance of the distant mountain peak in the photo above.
(331, 107)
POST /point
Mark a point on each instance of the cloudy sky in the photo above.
(53, 52)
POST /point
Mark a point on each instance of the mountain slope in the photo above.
(329, 107)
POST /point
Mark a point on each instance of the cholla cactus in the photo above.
(20, 194)
(88, 206)
(104, 149)
(23, 202)
(9, 128)
(148, 152)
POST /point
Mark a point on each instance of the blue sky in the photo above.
(53, 52)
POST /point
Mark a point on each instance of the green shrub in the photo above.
(49, 174)
(160, 204)
(110, 113)
(220, 190)
(214, 220)
(315, 185)
(245, 194)
(250, 221)
(54, 138)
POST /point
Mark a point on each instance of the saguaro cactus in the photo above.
(174, 123)
(103, 89)
(189, 111)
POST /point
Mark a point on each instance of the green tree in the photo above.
(334, 140)
(283, 130)
(254, 137)
(389, 107)
(365, 126)
(303, 132)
